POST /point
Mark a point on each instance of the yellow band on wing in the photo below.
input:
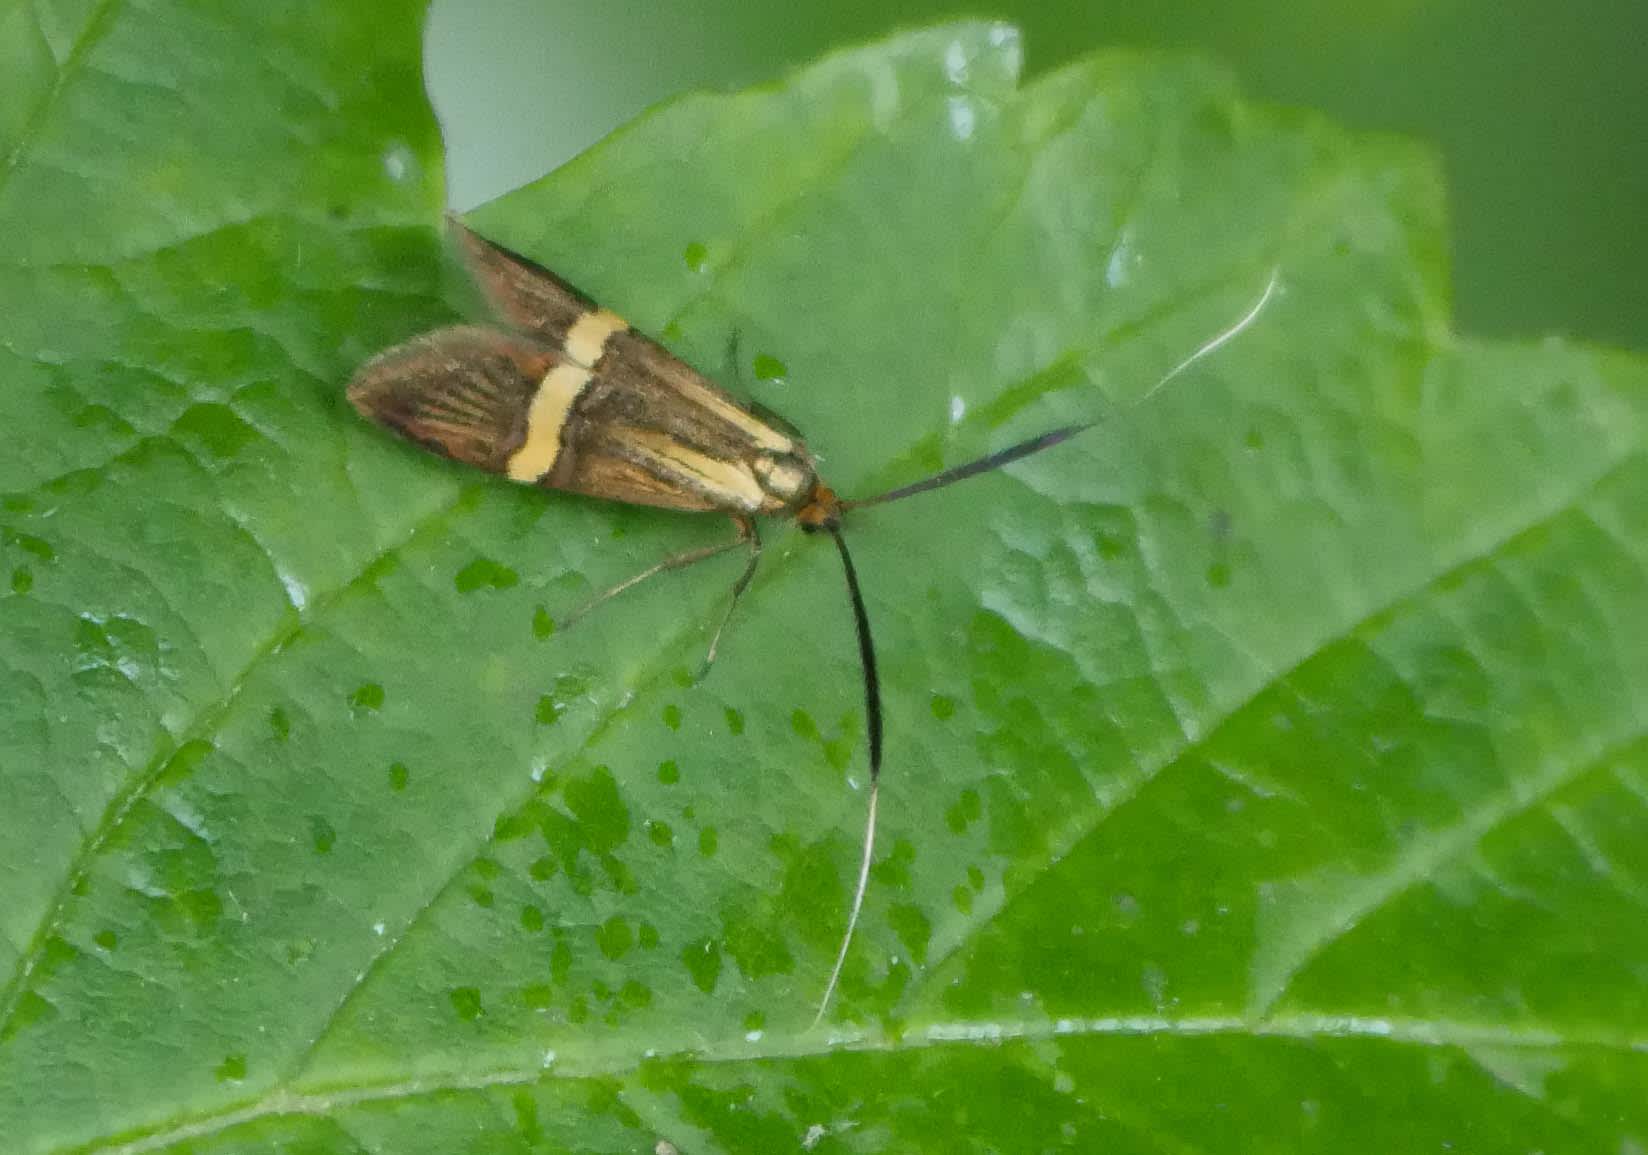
(748, 424)
(551, 405)
(588, 337)
(729, 484)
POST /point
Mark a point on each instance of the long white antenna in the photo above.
(858, 903)
(872, 692)
(1218, 340)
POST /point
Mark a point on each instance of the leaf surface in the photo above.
(1266, 767)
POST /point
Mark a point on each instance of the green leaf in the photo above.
(1266, 767)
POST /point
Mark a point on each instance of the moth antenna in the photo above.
(983, 465)
(866, 645)
(1051, 438)
(858, 904)
(872, 711)
(1218, 340)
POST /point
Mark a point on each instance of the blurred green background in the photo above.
(1539, 110)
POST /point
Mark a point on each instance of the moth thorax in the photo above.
(784, 476)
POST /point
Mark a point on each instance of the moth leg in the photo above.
(674, 561)
(735, 359)
(747, 532)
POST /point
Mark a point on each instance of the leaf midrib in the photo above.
(1405, 1032)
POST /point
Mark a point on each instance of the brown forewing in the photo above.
(462, 392)
(523, 292)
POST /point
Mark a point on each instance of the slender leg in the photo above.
(735, 361)
(752, 535)
(746, 532)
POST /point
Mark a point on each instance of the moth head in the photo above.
(822, 510)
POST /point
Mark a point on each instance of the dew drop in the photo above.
(966, 810)
(802, 723)
(296, 592)
(703, 963)
(484, 573)
(232, 1069)
(1123, 261)
(615, 938)
(509, 827)
(543, 626)
(28, 543)
(526, 1118)
(466, 1001)
(398, 162)
(769, 368)
(695, 255)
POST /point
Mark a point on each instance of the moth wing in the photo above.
(522, 291)
(468, 393)
(605, 469)
(541, 303)
(464, 392)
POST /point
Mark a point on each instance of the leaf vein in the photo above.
(1428, 853)
(96, 26)
(1087, 825)
(200, 727)
(1312, 1028)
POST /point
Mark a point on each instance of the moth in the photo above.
(565, 395)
